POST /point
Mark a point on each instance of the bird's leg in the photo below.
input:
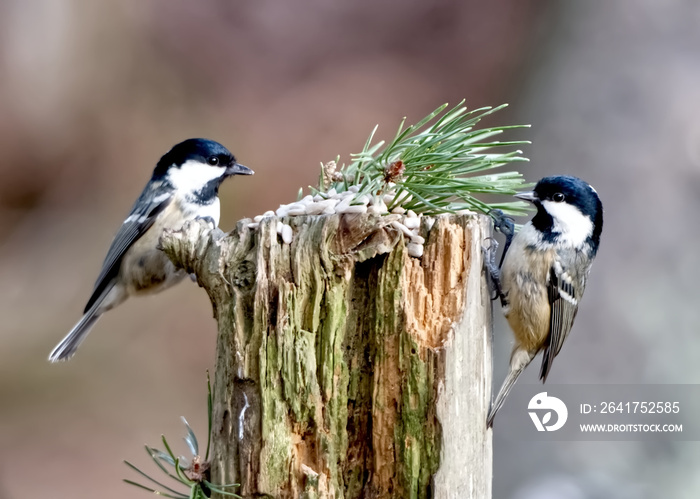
(494, 271)
(503, 224)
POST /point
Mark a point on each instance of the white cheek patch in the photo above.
(573, 226)
(193, 175)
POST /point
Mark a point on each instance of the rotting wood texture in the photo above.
(346, 368)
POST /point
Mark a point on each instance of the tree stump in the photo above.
(346, 368)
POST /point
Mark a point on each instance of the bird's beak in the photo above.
(530, 196)
(236, 169)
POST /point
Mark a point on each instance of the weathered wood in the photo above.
(346, 368)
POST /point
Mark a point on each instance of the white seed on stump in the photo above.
(415, 250)
(287, 234)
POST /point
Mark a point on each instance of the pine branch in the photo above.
(435, 166)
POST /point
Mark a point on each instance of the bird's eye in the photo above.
(558, 197)
(213, 160)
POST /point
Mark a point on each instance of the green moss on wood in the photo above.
(319, 386)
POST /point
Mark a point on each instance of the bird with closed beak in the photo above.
(184, 186)
(544, 272)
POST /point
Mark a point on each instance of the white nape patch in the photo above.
(193, 175)
(573, 226)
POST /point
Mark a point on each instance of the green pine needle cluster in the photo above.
(193, 473)
(440, 163)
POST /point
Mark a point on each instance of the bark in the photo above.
(346, 368)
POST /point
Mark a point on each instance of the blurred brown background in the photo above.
(92, 94)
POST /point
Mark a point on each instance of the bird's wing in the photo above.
(564, 289)
(152, 201)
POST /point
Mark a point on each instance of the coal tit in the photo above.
(184, 186)
(544, 272)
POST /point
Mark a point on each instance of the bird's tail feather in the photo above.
(518, 362)
(502, 394)
(68, 345)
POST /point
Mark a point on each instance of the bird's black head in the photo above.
(555, 197)
(204, 151)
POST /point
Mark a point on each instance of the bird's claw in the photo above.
(494, 273)
(209, 221)
(503, 223)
